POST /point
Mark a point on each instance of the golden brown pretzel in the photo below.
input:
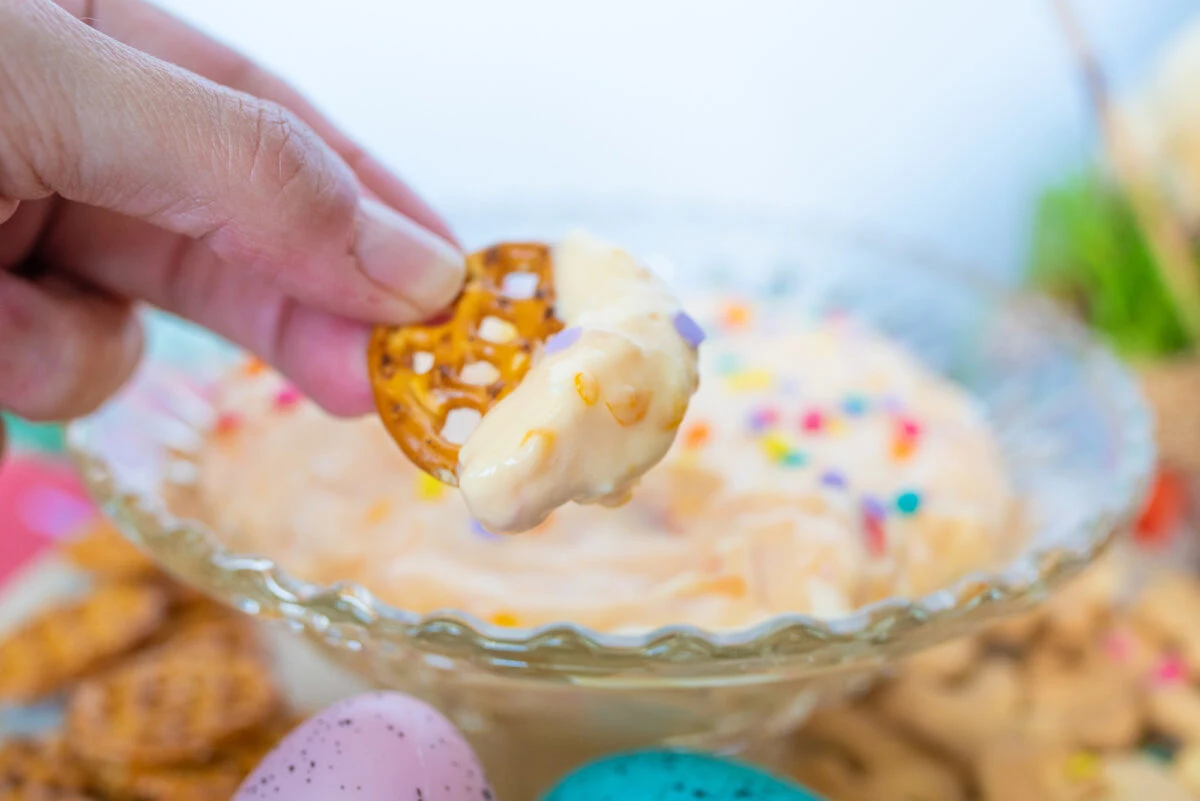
(417, 370)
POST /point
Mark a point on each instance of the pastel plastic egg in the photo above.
(375, 747)
(674, 776)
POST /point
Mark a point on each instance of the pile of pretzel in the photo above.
(167, 695)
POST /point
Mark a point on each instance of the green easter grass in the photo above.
(1089, 252)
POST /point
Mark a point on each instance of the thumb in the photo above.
(94, 121)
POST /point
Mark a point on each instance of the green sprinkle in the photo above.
(908, 503)
(728, 363)
(793, 459)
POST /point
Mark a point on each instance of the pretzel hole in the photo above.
(519, 285)
(479, 374)
(495, 330)
(422, 362)
(459, 425)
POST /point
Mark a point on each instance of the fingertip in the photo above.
(326, 358)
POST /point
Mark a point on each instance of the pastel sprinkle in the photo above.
(763, 418)
(907, 427)
(1082, 766)
(254, 366)
(907, 503)
(749, 380)
(793, 459)
(697, 435)
(874, 537)
(506, 619)
(1170, 670)
(727, 363)
(562, 340)
(776, 447)
(227, 423)
(891, 404)
(429, 488)
(903, 448)
(287, 397)
(854, 405)
(1160, 751)
(833, 479)
(873, 508)
(479, 531)
(689, 329)
(378, 511)
(735, 315)
(812, 421)
(587, 388)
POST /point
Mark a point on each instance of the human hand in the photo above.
(141, 161)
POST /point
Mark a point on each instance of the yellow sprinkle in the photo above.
(775, 446)
(1082, 766)
(749, 380)
(630, 407)
(429, 488)
(543, 442)
(587, 388)
(507, 619)
(379, 510)
(677, 415)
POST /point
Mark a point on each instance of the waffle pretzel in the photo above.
(68, 641)
(415, 399)
(169, 709)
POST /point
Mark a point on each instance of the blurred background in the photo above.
(940, 120)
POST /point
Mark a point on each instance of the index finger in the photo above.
(154, 31)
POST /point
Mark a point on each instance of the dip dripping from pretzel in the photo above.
(564, 414)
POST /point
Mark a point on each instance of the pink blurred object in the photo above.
(41, 501)
(375, 747)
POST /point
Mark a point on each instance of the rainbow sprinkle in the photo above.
(749, 380)
(1169, 671)
(875, 538)
(429, 488)
(854, 405)
(793, 459)
(776, 447)
(697, 435)
(287, 397)
(812, 421)
(735, 315)
(833, 479)
(727, 364)
(227, 423)
(506, 619)
(763, 418)
(908, 503)
(1082, 766)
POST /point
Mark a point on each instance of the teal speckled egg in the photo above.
(674, 776)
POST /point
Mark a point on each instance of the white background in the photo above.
(937, 119)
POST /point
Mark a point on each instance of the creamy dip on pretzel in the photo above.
(600, 406)
(819, 467)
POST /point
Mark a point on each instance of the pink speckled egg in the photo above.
(375, 747)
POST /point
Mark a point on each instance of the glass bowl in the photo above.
(1073, 428)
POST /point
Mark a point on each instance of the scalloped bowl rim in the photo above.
(1011, 582)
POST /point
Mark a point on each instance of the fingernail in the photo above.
(407, 259)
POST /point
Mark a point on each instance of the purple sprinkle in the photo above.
(832, 478)
(874, 508)
(562, 340)
(689, 329)
(479, 531)
(891, 404)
